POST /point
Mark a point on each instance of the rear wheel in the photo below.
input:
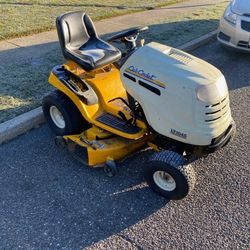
(168, 174)
(62, 115)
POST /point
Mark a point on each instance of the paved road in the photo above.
(49, 201)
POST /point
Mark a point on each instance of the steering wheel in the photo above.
(129, 35)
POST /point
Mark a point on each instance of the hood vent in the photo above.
(179, 56)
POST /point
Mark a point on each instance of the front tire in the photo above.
(168, 174)
(62, 115)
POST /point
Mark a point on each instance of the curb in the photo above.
(32, 119)
(21, 124)
(194, 44)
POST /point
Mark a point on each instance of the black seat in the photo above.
(81, 44)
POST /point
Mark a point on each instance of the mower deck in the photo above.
(98, 146)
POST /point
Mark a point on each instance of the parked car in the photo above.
(234, 29)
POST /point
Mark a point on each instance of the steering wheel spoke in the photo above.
(132, 38)
(128, 35)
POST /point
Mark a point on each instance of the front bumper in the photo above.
(222, 140)
(234, 36)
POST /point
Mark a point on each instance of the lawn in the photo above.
(25, 81)
(23, 17)
(179, 30)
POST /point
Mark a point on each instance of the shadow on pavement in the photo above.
(47, 204)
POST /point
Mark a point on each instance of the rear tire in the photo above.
(168, 174)
(62, 115)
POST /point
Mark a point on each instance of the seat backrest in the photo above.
(74, 29)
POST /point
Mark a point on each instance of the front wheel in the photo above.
(168, 174)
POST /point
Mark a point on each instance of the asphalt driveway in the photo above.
(50, 201)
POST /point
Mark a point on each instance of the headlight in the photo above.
(213, 92)
(230, 16)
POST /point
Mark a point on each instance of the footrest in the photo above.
(117, 123)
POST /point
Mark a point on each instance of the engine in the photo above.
(182, 97)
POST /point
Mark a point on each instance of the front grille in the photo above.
(224, 37)
(217, 110)
(243, 44)
(245, 25)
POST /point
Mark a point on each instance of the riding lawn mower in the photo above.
(108, 105)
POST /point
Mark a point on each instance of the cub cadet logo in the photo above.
(142, 73)
(179, 134)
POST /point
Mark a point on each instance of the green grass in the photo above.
(179, 30)
(23, 17)
(25, 81)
